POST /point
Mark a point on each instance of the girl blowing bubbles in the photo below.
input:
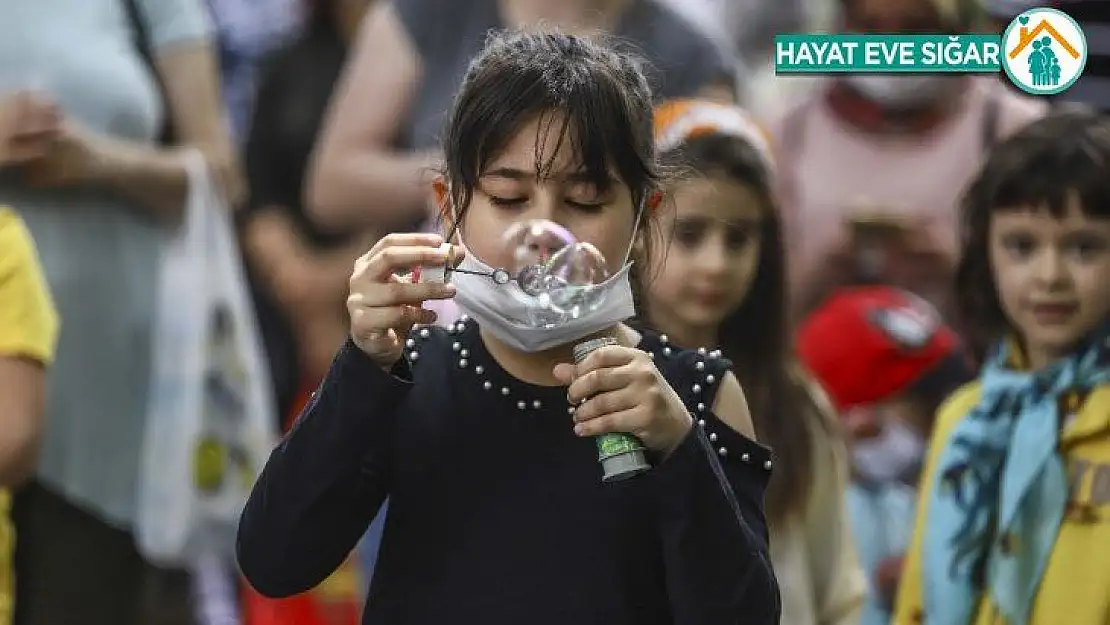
(497, 510)
(721, 284)
(1014, 496)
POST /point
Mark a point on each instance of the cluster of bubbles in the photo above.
(561, 272)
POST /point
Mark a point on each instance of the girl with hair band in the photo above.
(1013, 503)
(721, 286)
(481, 434)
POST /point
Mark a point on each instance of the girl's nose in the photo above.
(713, 255)
(863, 423)
(1050, 267)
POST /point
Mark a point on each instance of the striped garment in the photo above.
(1093, 87)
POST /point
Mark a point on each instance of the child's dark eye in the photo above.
(1019, 245)
(737, 237)
(1086, 248)
(689, 234)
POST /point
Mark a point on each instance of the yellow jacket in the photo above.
(1076, 586)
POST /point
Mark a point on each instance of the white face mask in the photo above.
(892, 456)
(898, 90)
(518, 318)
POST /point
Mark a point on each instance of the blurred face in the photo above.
(886, 444)
(712, 257)
(512, 190)
(1052, 275)
(897, 92)
(869, 422)
(892, 16)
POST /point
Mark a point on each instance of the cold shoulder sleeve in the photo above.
(712, 522)
(326, 480)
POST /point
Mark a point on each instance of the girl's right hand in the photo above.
(385, 306)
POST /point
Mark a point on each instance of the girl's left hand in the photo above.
(621, 390)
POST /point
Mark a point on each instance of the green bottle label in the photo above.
(615, 444)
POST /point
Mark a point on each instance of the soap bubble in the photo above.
(572, 274)
(530, 245)
(559, 271)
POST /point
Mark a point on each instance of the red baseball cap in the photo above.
(871, 343)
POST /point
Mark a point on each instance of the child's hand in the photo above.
(625, 392)
(383, 306)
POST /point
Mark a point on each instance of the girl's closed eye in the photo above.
(587, 197)
(507, 202)
(504, 192)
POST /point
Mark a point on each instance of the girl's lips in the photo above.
(707, 298)
(1053, 313)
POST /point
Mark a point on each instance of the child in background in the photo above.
(1011, 523)
(887, 361)
(720, 286)
(28, 334)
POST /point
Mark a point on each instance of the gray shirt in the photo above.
(99, 252)
(447, 34)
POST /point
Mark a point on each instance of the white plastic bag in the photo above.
(211, 420)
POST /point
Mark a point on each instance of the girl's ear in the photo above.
(442, 192)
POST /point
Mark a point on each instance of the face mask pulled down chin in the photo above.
(900, 91)
(526, 322)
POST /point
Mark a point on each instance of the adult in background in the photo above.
(300, 272)
(299, 268)
(100, 199)
(904, 144)
(381, 133)
(247, 32)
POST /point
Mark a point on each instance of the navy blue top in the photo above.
(497, 511)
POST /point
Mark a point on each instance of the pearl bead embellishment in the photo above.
(666, 351)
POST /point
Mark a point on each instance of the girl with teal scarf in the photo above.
(1034, 280)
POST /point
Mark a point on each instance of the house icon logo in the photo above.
(1045, 51)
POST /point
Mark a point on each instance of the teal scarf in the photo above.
(992, 522)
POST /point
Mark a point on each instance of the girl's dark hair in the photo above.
(756, 336)
(597, 93)
(1043, 166)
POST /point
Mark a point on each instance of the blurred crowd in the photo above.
(320, 119)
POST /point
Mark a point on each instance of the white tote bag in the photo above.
(211, 422)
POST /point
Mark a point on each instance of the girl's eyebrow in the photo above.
(742, 222)
(1086, 230)
(510, 173)
(514, 173)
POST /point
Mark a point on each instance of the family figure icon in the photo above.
(1044, 67)
(1046, 51)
